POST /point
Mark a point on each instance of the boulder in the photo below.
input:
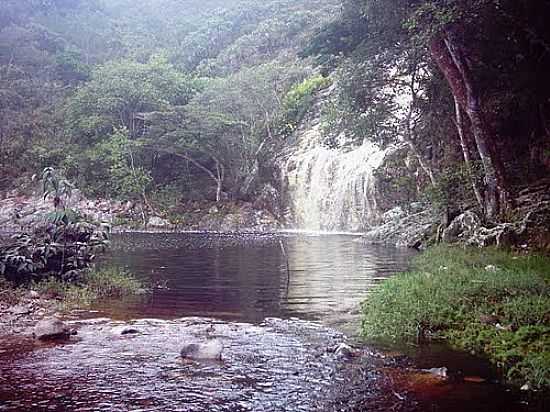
(33, 294)
(211, 349)
(462, 227)
(51, 329)
(156, 221)
(344, 351)
(402, 229)
(442, 372)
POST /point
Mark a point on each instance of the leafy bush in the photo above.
(62, 247)
(53, 250)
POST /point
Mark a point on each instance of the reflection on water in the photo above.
(246, 278)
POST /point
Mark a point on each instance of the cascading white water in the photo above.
(331, 189)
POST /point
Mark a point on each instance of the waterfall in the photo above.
(331, 189)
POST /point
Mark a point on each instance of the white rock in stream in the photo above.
(52, 328)
(209, 350)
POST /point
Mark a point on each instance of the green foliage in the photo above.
(62, 247)
(204, 80)
(450, 293)
(231, 124)
(56, 186)
(113, 169)
(338, 37)
(92, 285)
(121, 93)
(111, 282)
(454, 189)
(299, 100)
(58, 249)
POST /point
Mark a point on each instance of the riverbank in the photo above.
(485, 301)
(24, 306)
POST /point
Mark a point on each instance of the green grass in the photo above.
(486, 301)
(95, 285)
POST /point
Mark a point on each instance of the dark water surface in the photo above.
(278, 303)
(248, 278)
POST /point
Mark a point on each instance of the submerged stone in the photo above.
(437, 372)
(52, 329)
(208, 350)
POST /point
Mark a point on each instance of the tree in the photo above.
(122, 93)
(460, 43)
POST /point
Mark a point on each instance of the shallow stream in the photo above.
(280, 304)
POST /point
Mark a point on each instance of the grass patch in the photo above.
(93, 286)
(486, 301)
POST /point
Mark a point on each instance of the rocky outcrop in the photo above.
(21, 213)
(528, 230)
(206, 350)
(244, 218)
(404, 229)
(462, 227)
(52, 329)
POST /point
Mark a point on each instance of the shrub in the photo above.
(52, 250)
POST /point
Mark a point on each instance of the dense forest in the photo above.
(136, 99)
(165, 100)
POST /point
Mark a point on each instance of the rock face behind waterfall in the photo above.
(330, 188)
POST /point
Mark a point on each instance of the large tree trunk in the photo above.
(451, 59)
(410, 136)
(466, 151)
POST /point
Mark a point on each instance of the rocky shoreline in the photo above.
(21, 212)
(21, 311)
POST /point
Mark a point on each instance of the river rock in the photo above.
(463, 226)
(208, 350)
(156, 221)
(438, 372)
(130, 331)
(345, 351)
(21, 309)
(33, 294)
(51, 328)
